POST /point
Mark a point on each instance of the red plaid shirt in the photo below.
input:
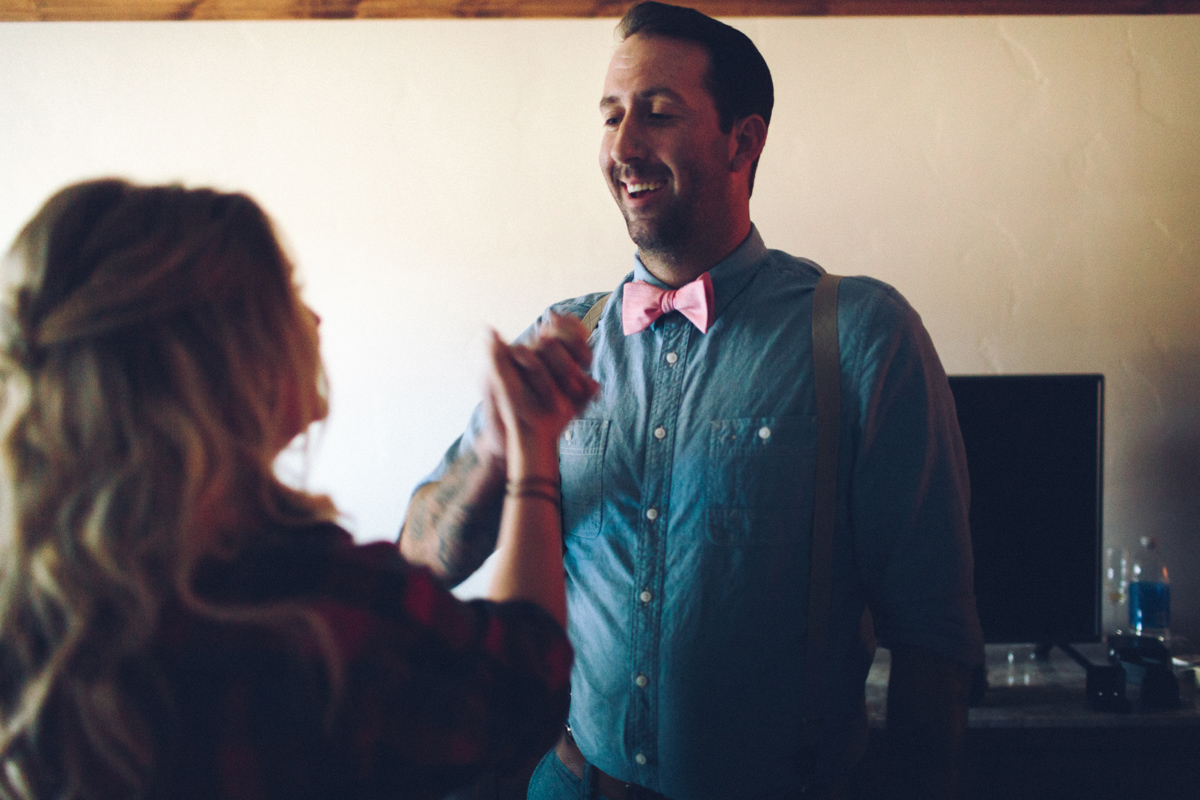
(434, 691)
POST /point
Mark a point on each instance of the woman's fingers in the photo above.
(490, 442)
(502, 381)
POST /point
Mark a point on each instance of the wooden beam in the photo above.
(32, 10)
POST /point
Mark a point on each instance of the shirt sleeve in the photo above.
(436, 690)
(910, 492)
(426, 691)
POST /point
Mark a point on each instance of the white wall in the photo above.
(1031, 184)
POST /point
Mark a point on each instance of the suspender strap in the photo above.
(592, 318)
(827, 374)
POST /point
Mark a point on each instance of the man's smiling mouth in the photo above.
(642, 188)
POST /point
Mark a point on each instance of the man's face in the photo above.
(663, 154)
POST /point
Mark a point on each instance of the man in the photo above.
(687, 484)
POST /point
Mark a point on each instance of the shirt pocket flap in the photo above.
(759, 480)
(581, 464)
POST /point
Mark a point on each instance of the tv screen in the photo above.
(1034, 448)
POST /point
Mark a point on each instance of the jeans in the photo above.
(553, 781)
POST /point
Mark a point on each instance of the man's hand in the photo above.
(451, 524)
(535, 393)
(561, 342)
(559, 349)
(926, 721)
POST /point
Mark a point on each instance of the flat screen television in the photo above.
(1035, 450)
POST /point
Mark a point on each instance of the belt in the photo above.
(604, 784)
(568, 753)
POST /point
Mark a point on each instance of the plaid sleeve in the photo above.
(437, 690)
(434, 691)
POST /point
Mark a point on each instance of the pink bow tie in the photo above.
(644, 302)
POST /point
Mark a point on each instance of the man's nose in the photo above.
(627, 143)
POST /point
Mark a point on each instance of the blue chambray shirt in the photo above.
(687, 509)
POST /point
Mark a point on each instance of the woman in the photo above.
(174, 621)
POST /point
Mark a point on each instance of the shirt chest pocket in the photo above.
(581, 464)
(759, 480)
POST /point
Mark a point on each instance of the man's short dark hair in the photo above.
(738, 77)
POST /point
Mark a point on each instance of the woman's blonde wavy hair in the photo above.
(155, 357)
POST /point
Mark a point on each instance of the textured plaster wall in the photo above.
(1031, 184)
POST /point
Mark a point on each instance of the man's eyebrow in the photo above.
(646, 94)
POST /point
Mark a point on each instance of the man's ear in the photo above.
(746, 142)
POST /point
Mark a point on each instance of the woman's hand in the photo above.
(533, 392)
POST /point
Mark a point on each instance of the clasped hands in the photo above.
(531, 392)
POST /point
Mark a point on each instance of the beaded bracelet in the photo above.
(535, 486)
(533, 491)
(529, 481)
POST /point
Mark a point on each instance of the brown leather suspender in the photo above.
(827, 374)
(592, 318)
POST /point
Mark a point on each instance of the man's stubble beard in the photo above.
(663, 237)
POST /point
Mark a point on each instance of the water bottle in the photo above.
(1149, 592)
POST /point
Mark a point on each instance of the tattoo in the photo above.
(451, 526)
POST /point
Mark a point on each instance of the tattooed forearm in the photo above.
(452, 524)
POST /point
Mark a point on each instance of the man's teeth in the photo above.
(635, 188)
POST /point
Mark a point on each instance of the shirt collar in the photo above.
(729, 276)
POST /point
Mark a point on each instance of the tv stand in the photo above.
(1034, 734)
(1104, 683)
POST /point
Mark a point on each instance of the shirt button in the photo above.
(568, 435)
(672, 358)
(651, 514)
(764, 433)
(645, 596)
(660, 432)
(641, 681)
(640, 758)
